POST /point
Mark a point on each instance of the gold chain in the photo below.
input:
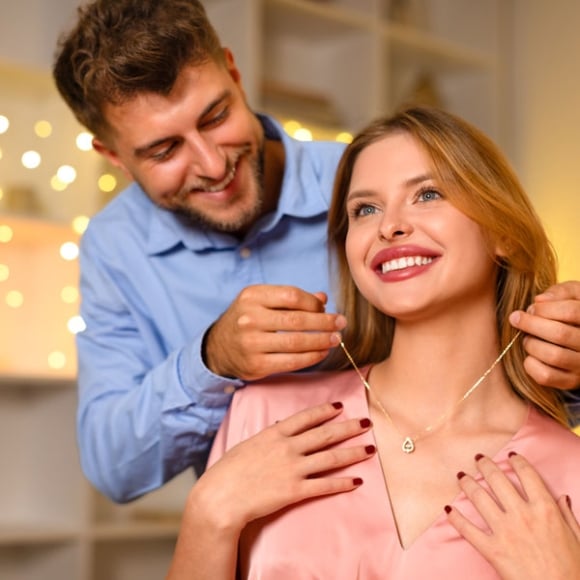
(409, 441)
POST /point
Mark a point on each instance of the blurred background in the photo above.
(324, 68)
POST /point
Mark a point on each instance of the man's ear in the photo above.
(232, 67)
(111, 156)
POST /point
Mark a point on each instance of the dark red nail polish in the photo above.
(569, 501)
(370, 449)
(478, 456)
(364, 423)
(337, 405)
(357, 481)
(512, 453)
(460, 474)
(447, 509)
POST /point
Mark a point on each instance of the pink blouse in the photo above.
(353, 535)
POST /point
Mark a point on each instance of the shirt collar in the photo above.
(301, 197)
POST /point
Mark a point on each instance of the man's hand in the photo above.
(271, 329)
(552, 324)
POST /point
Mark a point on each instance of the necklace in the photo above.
(409, 441)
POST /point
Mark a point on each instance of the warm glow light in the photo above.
(291, 127)
(4, 272)
(57, 184)
(80, 224)
(6, 234)
(69, 251)
(4, 124)
(43, 129)
(69, 294)
(107, 183)
(302, 134)
(84, 141)
(76, 324)
(56, 360)
(1, 190)
(14, 299)
(31, 159)
(66, 173)
(1, 154)
(344, 137)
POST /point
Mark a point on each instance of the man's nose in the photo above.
(208, 159)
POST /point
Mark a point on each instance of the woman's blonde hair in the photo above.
(479, 181)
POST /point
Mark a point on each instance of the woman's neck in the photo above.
(434, 364)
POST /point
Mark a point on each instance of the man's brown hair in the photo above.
(120, 48)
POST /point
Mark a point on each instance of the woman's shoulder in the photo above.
(298, 390)
(552, 448)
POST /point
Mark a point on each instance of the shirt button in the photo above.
(229, 389)
(245, 252)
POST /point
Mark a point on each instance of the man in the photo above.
(210, 269)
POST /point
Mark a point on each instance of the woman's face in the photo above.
(412, 253)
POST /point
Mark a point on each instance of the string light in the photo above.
(43, 129)
(31, 159)
(69, 251)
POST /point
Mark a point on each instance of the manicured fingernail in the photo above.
(357, 481)
(460, 474)
(447, 509)
(370, 449)
(478, 456)
(569, 501)
(364, 423)
(512, 453)
(337, 405)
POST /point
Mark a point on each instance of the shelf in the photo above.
(334, 18)
(36, 383)
(20, 534)
(417, 46)
(135, 530)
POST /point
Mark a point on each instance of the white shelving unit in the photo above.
(334, 64)
(340, 63)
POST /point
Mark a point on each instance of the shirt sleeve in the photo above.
(572, 400)
(139, 424)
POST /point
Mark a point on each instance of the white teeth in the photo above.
(407, 262)
(221, 186)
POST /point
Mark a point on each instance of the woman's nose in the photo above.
(391, 229)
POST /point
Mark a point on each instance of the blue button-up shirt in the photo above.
(151, 286)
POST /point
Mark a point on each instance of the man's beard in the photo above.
(247, 216)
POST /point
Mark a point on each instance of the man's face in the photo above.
(197, 151)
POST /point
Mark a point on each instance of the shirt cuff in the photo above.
(205, 387)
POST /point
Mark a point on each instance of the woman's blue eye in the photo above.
(429, 195)
(365, 210)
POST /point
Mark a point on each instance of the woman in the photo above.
(436, 243)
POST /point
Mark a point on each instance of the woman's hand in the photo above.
(285, 463)
(289, 461)
(531, 535)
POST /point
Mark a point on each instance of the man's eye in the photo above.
(216, 119)
(163, 153)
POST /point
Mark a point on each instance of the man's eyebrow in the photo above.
(145, 149)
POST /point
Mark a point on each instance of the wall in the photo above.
(29, 30)
(546, 109)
